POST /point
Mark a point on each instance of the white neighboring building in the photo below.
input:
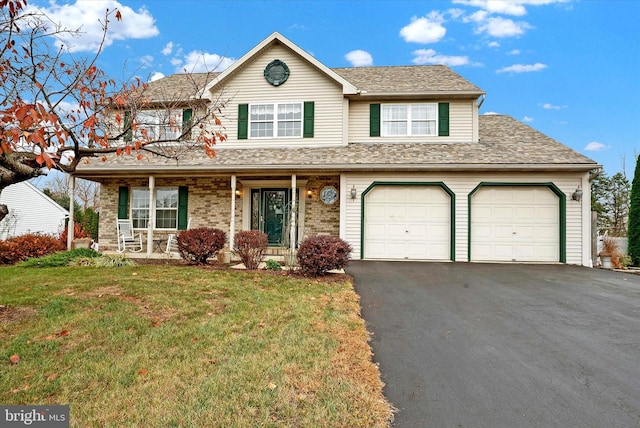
(30, 211)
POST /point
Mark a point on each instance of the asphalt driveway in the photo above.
(487, 345)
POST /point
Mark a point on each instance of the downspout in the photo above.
(481, 101)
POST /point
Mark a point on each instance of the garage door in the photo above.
(519, 224)
(407, 223)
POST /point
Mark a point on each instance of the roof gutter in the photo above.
(179, 170)
(424, 94)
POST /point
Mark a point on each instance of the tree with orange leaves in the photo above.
(40, 132)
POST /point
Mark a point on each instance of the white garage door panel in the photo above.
(407, 222)
(515, 224)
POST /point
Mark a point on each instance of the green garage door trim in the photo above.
(410, 183)
(562, 207)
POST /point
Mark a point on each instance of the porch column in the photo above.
(294, 214)
(70, 224)
(232, 223)
(152, 214)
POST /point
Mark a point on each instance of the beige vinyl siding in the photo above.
(578, 239)
(305, 83)
(461, 124)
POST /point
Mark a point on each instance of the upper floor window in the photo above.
(409, 120)
(160, 124)
(277, 120)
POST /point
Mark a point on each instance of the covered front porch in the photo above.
(287, 207)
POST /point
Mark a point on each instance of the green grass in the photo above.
(181, 346)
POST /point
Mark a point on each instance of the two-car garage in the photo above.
(517, 222)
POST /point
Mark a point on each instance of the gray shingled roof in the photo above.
(373, 80)
(399, 79)
(178, 86)
(504, 143)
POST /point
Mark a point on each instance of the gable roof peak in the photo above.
(272, 39)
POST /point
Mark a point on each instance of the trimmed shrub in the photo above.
(21, 248)
(62, 258)
(272, 265)
(250, 246)
(198, 245)
(319, 254)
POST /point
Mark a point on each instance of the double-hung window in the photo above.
(277, 120)
(166, 208)
(400, 120)
(160, 124)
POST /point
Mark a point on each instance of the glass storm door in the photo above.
(270, 213)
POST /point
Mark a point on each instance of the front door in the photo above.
(270, 213)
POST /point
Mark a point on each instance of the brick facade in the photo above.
(209, 205)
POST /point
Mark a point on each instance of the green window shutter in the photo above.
(443, 119)
(123, 202)
(374, 120)
(127, 125)
(309, 110)
(243, 121)
(183, 215)
(186, 120)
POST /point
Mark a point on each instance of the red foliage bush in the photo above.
(319, 254)
(20, 248)
(198, 245)
(78, 232)
(250, 246)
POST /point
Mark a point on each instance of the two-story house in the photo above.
(395, 160)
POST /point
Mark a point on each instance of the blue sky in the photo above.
(569, 68)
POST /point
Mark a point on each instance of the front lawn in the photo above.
(182, 346)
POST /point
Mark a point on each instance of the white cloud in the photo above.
(455, 13)
(595, 146)
(490, 113)
(501, 27)
(359, 58)
(199, 62)
(549, 106)
(514, 52)
(511, 7)
(527, 119)
(427, 29)
(86, 16)
(167, 49)
(156, 76)
(429, 56)
(493, 44)
(507, 7)
(146, 60)
(522, 68)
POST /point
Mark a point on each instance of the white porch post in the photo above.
(70, 225)
(152, 214)
(232, 223)
(294, 214)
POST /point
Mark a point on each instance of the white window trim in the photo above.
(275, 121)
(146, 189)
(151, 120)
(408, 121)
